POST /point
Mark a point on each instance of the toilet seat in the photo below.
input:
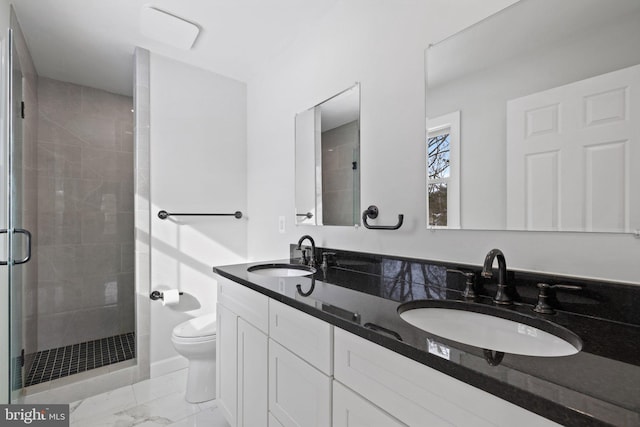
(196, 340)
(200, 328)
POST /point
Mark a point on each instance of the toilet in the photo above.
(195, 339)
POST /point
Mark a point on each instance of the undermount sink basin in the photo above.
(490, 327)
(282, 270)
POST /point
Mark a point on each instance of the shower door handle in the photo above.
(3, 231)
(26, 233)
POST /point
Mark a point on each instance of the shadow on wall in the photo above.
(182, 256)
(183, 262)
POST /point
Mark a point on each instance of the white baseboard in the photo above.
(170, 364)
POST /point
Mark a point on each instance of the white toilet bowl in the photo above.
(195, 339)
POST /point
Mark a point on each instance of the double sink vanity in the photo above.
(332, 337)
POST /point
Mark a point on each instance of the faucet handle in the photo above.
(543, 305)
(464, 273)
(567, 287)
(326, 255)
(470, 277)
(325, 259)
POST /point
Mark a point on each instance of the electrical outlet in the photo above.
(281, 224)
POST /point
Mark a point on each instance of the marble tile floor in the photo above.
(155, 402)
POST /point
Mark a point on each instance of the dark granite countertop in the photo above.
(360, 293)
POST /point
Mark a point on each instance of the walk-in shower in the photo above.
(70, 174)
(84, 236)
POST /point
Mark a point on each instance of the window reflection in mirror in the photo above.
(327, 156)
(438, 168)
(443, 166)
(548, 94)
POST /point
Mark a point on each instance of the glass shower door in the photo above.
(19, 239)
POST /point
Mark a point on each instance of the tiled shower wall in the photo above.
(25, 276)
(339, 146)
(85, 214)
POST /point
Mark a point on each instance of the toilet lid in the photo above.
(197, 327)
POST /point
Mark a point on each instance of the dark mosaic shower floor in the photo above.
(64, 361)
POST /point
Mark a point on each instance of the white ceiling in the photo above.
(91, 42)
(530, 27)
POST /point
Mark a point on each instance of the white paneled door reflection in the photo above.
(571, 153)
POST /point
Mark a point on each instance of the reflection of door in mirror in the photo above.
(481, 73)
(570, 152)
(443, 171)
(328, 161)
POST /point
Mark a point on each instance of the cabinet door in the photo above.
(352, 410)
(252, 376)
(299, 394)
(227, 364)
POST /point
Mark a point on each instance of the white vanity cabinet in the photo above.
(299, 394)
(352, 410)
(273, 421)
(300, 367)
(308, 337)
(242, 355)
(417, 395)
(280, 367)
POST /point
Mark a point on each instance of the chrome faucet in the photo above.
(502, 294)
(312, 259)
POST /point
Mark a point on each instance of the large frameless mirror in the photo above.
(327, 157)
(532, 120)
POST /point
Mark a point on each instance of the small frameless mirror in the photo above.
(327, 161)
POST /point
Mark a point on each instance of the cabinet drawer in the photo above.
(352, 410)
(416, 394)
(252, 306)
(299, 394)
(307, 336)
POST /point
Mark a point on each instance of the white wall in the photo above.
(198, 164)
(381, 44)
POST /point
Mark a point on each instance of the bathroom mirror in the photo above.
(327, 156)
(533, 120)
